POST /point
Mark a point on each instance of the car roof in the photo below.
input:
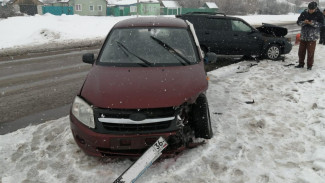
(209, 15)
(152, 22)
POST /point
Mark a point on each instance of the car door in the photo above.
(245, 39)
(216, 34)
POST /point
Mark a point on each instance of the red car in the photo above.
(147, 81)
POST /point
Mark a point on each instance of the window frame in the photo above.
(78, 7)
(91, 8)
(100, 8)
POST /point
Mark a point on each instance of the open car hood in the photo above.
(273, 30)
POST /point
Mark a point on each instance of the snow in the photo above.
(170, 4)
(211, 5)
(279, 138)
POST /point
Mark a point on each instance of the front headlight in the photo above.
(83, 112)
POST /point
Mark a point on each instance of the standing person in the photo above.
(322, 31)
(310, 21)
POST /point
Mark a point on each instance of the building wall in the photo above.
(127, 10)
(85, 7)
(149, 9)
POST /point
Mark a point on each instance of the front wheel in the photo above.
(273, 52)
(201, 118)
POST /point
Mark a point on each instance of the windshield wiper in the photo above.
(125, 49)
(171, 50)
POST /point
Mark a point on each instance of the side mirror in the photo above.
(88, 58)
(210, 57)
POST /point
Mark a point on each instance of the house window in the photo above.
(78, 7)
(133, 9)
(91, 8)
(100, 8)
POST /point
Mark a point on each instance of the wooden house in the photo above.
(89, 7)
(131, 7)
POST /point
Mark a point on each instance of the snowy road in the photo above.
(29, 86)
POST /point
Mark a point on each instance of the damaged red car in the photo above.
(148, 81)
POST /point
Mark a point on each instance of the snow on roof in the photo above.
(170, 4)
(127, 2)
(211, 5)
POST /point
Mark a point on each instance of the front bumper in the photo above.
(120, 145)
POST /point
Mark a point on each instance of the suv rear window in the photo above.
(149, 47)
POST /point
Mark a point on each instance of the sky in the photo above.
(279, 138)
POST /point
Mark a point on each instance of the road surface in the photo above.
(40, 87)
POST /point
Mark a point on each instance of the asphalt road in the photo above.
(39, 87)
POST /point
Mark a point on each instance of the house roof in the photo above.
(128, 2)
(211, 5)
(170, 4)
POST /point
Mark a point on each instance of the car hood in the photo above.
(143, 87)
(273, 30)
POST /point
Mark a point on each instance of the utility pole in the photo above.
(138, 8)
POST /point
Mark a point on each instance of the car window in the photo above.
(240, 26)
(217, 24)
(150, 46)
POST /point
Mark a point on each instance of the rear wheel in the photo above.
(201, 118)
(273, 52)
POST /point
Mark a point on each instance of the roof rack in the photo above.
(204, 13)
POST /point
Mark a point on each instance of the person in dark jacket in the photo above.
(310, 21)
(322, 31)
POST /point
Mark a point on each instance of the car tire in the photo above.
(201, 118)
(273, 52)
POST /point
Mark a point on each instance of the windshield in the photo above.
(149, 47)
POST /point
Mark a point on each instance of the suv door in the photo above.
(217, 34)
(245, 39)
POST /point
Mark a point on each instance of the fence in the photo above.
(58, 10)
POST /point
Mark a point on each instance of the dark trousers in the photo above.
(309, 47)
(322, 35)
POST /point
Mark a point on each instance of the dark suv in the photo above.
(148, 81)
(227, 35)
